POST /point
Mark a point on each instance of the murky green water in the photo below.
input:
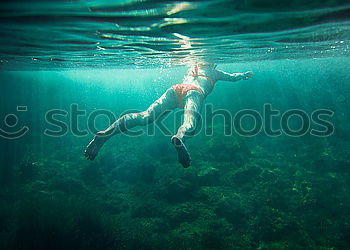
(68, 69)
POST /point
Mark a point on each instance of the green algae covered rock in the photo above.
(246, 174)
(209, 176)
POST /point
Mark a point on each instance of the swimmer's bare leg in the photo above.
(191, 118)
(159, 108)
(133, 119)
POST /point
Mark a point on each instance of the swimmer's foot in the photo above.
(182, 152)
(94, 146)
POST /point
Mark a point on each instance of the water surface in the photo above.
(105, 34)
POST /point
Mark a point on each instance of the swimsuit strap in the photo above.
(208, 78)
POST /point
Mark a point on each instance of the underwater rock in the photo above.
(231, 209)
(213, 194)
(221, 148)
(203, 233)
(215, 237)
(68, 185)
(209, 176)
(62, 222)
(28, 171)
(273, 246)
(268, 175)
(38, 185)
(328, 163)
(246, 174)
(274, 225)
(147, 209)
(186, 212)
(155, 225)
(91, 174)
(134, 173)
(176, 190)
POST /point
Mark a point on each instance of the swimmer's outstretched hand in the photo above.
(248, 74)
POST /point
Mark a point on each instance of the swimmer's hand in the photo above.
(248, 74)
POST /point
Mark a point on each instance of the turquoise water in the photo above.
(106, 34)
(84, 58)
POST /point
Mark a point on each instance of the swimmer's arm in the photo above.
(224, 76)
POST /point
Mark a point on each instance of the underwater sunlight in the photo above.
(153, 124)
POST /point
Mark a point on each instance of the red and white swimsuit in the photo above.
(182, 89)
